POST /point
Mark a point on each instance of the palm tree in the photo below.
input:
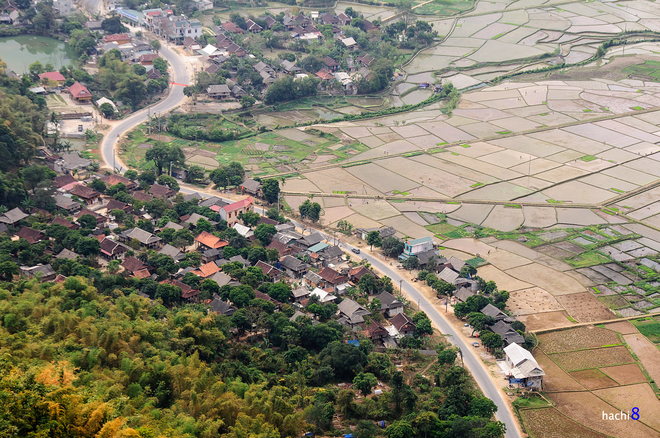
(28, 204)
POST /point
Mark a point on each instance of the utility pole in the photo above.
(400, 284)
(149, 119)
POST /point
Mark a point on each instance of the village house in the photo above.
(146, 239)
(54, 76)
(389, 304)
(231, 27)
(508, 334)
(111, 250)
(375, 331)
(207, 241)
(416, 246)
(312, 279)
(494, 312)
(403, 324)
(176, 254)
(148, 58)
(231, 212)
(120, 38)
(44, 272)
(31, 235)
(80, 93)
(187, 293)
(252, 26)
(521, 368)
(221, 307)
(100, 219)
(111, 180)
(218, 91)
(163, 192)
(132, 265)
(87, 194)
(351, 313)
(13, 216)
(448, 275)
(206, 270)
(293, 267)
(289, 67)
(191, 45)
(67, 254)
(270, 272)
(65, 203)
(65, 223)
(300, 294)
(63, 180)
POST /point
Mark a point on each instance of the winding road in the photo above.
(179, 74)
(471, 360)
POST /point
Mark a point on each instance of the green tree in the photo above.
(118, 214)
(423, 324)
(163, 154)
(365, 382)
(368, 284)
(310, 210)
(87, 221)
(8, 269)
(155, 44)
(219, 177)
(280, 291)
(271, 189)
(203, 225)
(399, 429)
(247, 101)
(492, 341)
(373, 238)
(169, 181)
(131, 90)
(249, 218)
(107, 110)
(392, 247)
(97, 185)
(195, 174)
(264, 232)
(113, 25)
(447, 357)
(411, 263)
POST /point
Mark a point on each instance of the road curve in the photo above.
(178, 74)
(471, 360)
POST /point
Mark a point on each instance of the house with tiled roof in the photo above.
(113, 204)
(231, 212)
(231, 27)
(111, 250)
(389, 304)
(114, 179)
(65, 223)
(314, 280)
(351, 313)
(163, 192)
(206, 241)
(293, 267)
(63, 180)
(206, 270)
(100, 220)
(173, 252)
(46, 272)
(376, 331)
(222, 307)
(270, 272)
(333, 277)
(80, 93)
(403, 324)
(53, 76)
(252, 26)
(132, 265)
(31, 235)
(145, 238)
(187, 292)
(67, 254)
(142, 196)
(87, 194)
(120, 38)
(13, 216)
(142, 273)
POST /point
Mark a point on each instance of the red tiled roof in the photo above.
(84, 192)
(54, 75)
(132, 264)
(142, 273)
(237, 205)
(148, 57)
(329, 274)
(63, 180)
(78, 90)
(117, 37)
(111, 180)
(207, 270)
(31, 235)
(61, 221)
(208, 239)
(186, 291)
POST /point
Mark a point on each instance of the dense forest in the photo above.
(89, 357)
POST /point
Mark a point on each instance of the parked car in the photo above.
(356, 250)
(475, 344)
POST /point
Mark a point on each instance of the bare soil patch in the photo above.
(577, 339)
(623, 327)
(641, 396)
(647, 353)
(545, 321)
(581, 360)
(585, 307)
(533, 300)
(552, 423)
(555, 378)
(587, 409)
(625, 374)
(593, 379)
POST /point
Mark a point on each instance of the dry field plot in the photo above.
(556, 379)
(551, 423)
(593, 379)
(625, 374)
(577, 338)
(585, 307)
(647, 352)
(623, 327)
(585, 359)
(545, 321)
(641, 396)
(587, 409)
(534, 300)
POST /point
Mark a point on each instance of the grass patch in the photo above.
(396, 192)
(596, 290)
(465, 145)
(504, 132)
(586, 110)
(637, 108)
(441, 228)
(648, 327)
(588, 158)
(553, 201)
(589, 258)
(512, 206)
(476, 262)
(413, 154)
(477, 185)
(617, 190)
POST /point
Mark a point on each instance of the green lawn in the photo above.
(649, 68)
(441, 228)
(589, 258)
(648, 327)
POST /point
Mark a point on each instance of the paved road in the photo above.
(178, 74)
(472, 362)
